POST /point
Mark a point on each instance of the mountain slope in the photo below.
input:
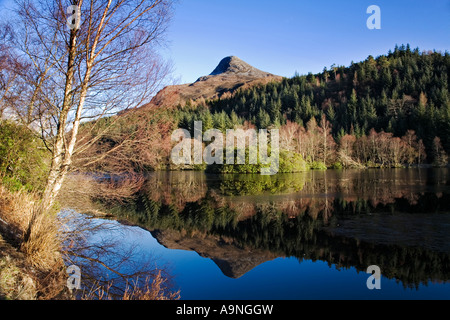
(230, 75)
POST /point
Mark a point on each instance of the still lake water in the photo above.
(294, 236)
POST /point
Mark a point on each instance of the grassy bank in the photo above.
(31, 262)
(16, 281)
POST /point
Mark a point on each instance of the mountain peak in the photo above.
(236, 66)
(230, 75)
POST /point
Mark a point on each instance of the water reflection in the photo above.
(396, 219)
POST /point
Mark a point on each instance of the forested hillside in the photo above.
(404, 95)
(389, 111)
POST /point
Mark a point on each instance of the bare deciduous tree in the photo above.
(11, 70)
(85, 67)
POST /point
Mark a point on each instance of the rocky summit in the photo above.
(230, 75)
(234, 66)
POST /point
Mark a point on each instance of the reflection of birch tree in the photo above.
(110, 268)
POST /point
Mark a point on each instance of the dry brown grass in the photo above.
(15, 211)
(37, 234)
(15, 283)
(42, 244)
(152, 289)
(36, 237)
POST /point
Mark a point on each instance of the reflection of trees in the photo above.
(176, 188)
(109, 269)
(301, 235)
(238, 185)
(377, 186)
(290, 215)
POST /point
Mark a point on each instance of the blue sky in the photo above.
(286, 36)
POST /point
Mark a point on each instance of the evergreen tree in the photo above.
(352, 107)
(263, 120)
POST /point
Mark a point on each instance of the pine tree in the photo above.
(263, 120)
(235, 120)
(352, 106)
(331, 114)
(207, 119)
(372, 116)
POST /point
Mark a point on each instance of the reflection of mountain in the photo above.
(398, 220)
(233, 260)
